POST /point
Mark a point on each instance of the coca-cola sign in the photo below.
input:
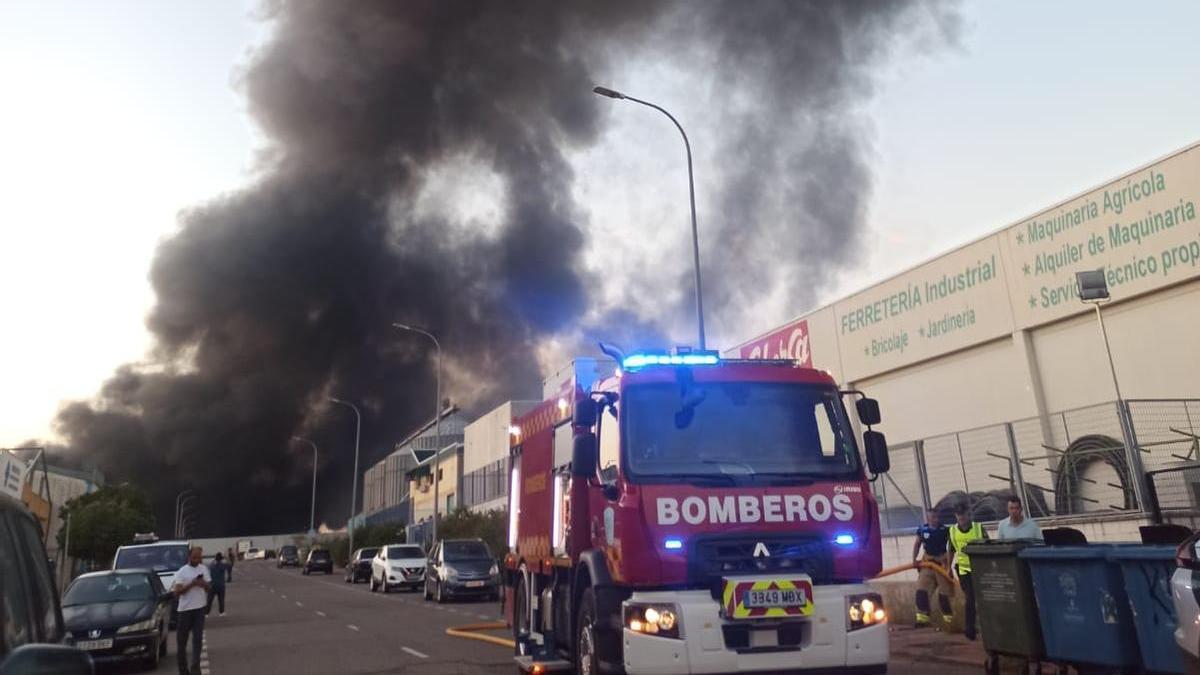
(789, 342)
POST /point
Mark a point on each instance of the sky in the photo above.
(117, 116)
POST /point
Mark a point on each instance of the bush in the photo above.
(490, 526)
(365, 536)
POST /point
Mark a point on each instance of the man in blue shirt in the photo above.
(216, 589)
(933, 537)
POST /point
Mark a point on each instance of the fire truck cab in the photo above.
(684, 513)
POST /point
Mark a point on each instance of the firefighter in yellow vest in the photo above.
(962, 533)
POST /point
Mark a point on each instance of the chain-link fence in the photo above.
(1074, 462)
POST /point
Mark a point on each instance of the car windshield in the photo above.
(467, 550)
(157, 558)
(396, 552)
(287, 550)
(365, 553)
(320, 555)
(108, 588)
(737, 431)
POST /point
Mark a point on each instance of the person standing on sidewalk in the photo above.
(1016, 525)
(934, 537)
(191, 586)
(964, 532)
(218, 570)
(232, 558)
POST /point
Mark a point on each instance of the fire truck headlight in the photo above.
(864, 610)
(659, 620)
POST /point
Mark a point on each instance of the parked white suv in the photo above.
(398, 565)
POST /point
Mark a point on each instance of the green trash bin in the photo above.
(1004, 600)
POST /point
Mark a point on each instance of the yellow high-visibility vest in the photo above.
(959, 539)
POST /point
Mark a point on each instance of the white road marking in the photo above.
(352, 627)
(299, 604)
(414, 652)
(283, 596)
(320, 613)
(483, 616)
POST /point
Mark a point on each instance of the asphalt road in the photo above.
(279, 621)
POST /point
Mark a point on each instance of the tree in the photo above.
(103, 520)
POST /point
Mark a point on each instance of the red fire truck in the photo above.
(684, 513)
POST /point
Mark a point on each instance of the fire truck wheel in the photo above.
(520, 615)
(586, 662)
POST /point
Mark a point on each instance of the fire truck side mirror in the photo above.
(868, 411)
(583, 456)
(585, 413)
(877, 452)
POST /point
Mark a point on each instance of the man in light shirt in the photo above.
(191, 586)
(1016, 525)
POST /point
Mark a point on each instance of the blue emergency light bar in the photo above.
(635, 361)
(844, 540)
(673, 543)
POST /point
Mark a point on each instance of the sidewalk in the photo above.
(946, 653)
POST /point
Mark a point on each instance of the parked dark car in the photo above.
(319, 560)
(359, 567)
(289, 556)
(461, 567)
(119, 615)
(32, 634)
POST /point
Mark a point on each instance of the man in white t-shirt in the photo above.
(191, 587)
(1016, 525)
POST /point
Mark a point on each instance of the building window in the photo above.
(440, 474)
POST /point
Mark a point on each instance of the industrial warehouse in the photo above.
(993, 374)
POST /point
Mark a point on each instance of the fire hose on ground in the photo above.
(471, 631)
(474, 631)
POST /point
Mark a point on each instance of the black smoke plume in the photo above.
(272, 298)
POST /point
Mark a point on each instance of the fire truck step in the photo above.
(527, 664)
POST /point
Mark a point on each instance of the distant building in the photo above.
(389, 485)
(64, 485)
(485, 456)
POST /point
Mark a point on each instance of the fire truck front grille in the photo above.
(711, 558)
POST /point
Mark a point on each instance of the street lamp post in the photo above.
(312, 514)
(437, 423)
(180, 502)
(610, 93)
(1092, 288)
(178, 497)
(354, 484)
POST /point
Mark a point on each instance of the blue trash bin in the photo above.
(1147, 572)
(1082, 605)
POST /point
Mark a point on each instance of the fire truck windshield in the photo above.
(742, 432)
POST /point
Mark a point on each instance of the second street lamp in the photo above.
(354, 482)
(613, 94)
(312, 514)
(437, 422)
